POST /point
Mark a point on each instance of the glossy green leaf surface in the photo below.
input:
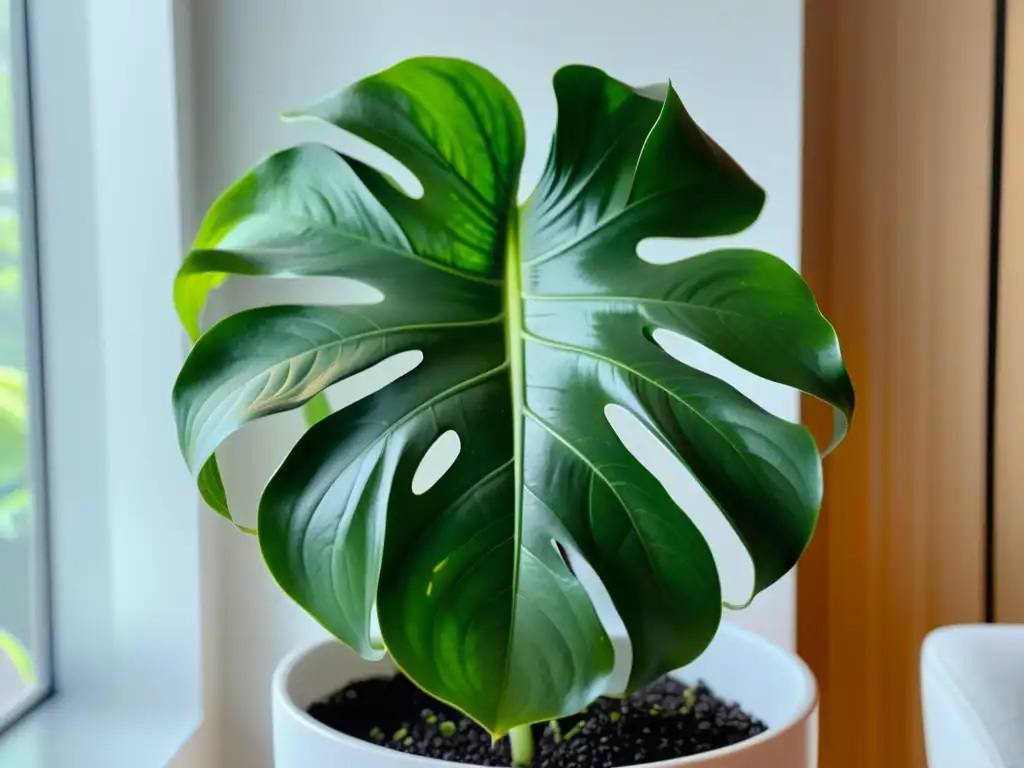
(531, 320)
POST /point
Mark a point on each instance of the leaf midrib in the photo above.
(513, 312)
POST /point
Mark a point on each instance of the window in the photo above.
(108, 205)
(24, 633)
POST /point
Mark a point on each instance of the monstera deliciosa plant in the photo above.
(531, 319)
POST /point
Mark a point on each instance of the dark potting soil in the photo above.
(664, 720)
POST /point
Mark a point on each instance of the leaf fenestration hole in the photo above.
(369, 153)
(438, 459)
(245, 468)
(665, 250)
(612, 622)
(244, 292)
(564, 554)
(735, 566)
(376, 377)
(778, 399)
(387, 164)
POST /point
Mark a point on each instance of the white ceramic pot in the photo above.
(771, 683)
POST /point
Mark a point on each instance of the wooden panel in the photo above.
(1009, 446)
(896, 240)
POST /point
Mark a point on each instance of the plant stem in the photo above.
(521, 737)
(521, 740)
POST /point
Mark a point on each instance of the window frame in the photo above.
(110, 175)
(30, 299)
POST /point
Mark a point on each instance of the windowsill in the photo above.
(128, 732)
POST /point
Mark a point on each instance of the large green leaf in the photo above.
(531, 321)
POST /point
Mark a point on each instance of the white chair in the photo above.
(972, 686)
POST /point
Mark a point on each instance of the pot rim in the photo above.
(285, 668)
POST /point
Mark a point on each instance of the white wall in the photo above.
(736, 64)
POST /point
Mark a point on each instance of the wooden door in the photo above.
(897, 225)
(1008, 422)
